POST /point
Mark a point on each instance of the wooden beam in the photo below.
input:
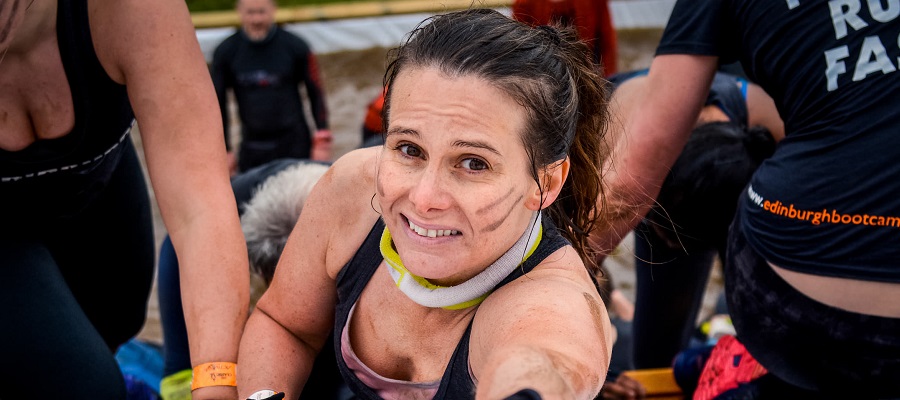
(658, 382)
(324, 12)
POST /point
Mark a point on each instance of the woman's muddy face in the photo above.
(453, 177)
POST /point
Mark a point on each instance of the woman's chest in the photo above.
(35, 100)
(399, 339)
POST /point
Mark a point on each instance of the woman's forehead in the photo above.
(426, 95)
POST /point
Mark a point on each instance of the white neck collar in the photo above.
(471, 292)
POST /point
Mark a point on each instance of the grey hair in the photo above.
(273, 210)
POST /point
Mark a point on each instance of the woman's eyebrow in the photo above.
(402, 131)
(458, 143)
(476, 144)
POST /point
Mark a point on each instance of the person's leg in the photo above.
(254, 153)
(297, 144)
(175, 342)
(49, 347)
(669, 289)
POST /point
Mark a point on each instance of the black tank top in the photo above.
(353, 278)
(60, 176)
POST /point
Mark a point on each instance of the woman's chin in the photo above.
(434, 268)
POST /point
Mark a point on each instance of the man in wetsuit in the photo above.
(264, 66)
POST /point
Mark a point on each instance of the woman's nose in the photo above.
(429, 191)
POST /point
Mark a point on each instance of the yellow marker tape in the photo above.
(214, 374)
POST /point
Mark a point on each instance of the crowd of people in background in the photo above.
(460, 250)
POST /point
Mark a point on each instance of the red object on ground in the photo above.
(729, 365)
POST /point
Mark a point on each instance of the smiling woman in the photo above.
(452, 260)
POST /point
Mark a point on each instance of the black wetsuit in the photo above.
(354, 277)
(265, 76)
(76, 248)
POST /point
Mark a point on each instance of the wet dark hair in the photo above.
(549, 72)
(699, 196)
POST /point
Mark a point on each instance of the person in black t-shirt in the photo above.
(811, 274)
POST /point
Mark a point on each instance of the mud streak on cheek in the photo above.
(496, 203)
(496, 224)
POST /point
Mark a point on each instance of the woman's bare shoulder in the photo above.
(341, 204)
(346, 190)
(354, 172)
(555, 309)
(560, 286)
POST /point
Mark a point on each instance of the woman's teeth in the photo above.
(431, 232)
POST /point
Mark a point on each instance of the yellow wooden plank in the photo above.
(657, 381)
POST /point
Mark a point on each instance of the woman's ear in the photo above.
(552, 178)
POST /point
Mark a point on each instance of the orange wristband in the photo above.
(214, 374)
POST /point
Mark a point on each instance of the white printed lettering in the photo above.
(834, 66)
(754, 197)
(843, 13)
(880, 14)
(872, 58)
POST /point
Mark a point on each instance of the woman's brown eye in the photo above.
(410, 150)
(474, 164)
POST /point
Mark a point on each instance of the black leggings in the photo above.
(806, 343)
(74, 291)
(670, 284)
